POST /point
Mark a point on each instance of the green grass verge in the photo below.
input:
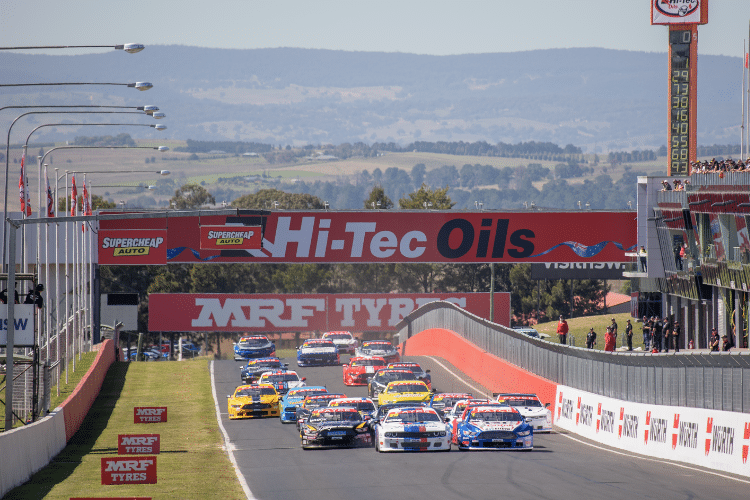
(192, 463)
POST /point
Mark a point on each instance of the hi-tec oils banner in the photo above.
(373, 236)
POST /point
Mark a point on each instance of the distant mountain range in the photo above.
(598, 99)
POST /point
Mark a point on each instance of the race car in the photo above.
(364, 406)
(255, 367)
(381, 348)
(458, 408)
(340, 427)
(311, 403)
(405, 390)
(345, 341)
(358, 369)
(493, 428)
(255, 346)
(443, 401)
(539, 416)
(423, 375)
(380, 380)
(382, 411)
(292, 399)
(250, 401)
(317, 352)
(282, 380)
(412, 429)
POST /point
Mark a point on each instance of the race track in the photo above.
(561, 466)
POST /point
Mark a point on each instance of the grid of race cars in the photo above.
(401, 413)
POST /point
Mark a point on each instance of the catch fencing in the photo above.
(692, 378)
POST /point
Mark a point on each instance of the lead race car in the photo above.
(318, 352)
(538, 415)
(359, 369)
(493, 428)
(416, 428)
(254, 346)
(341, 427)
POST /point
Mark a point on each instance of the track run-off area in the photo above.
(273, 466)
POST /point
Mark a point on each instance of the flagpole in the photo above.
(742, 121)
(57, 279)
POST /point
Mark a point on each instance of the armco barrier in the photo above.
(77, 405)
(25, 450)
(485, 368)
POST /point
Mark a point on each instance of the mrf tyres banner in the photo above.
(387, 236)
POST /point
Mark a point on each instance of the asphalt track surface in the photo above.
(561, 465)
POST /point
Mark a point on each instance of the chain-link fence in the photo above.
(696, 379)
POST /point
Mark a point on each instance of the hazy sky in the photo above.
(437, 27)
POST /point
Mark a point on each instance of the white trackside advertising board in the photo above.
(24, 319)
(708, 438)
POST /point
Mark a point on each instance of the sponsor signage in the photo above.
(373, 236)
(128, 470)
(23, 333)
(186, 312)
(149, 414)
(578, 271)
(709, 438)
(679, 11)
(138, 444)
(132, 247)
(230, 237)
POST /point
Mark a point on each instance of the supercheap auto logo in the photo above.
(228, 238)
(129, 247)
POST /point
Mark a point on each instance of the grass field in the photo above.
(579, 327)
(192, 463)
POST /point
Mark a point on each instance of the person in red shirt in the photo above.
(562, 330)
(609, 340)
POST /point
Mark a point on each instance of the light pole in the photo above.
(7, 152)
(136, 85)
(130, 48)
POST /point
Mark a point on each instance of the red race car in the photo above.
(360, 368)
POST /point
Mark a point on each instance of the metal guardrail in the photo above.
(697, 379)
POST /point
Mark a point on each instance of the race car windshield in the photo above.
(312, 345)
(286, 377)
(335, 416)
(254, 392)
(412, 416)
(524, 402)
(368, 362)
(450, 401)
(494, 416)
(359, 405)
(253, 342)
(379, 346)
(409, 388)
(389, 377)
(267, 364)
(339, 336)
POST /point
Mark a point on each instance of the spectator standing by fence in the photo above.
(666, 334)
(643, 256)
(591, 339)
(713, 341)
(676, 336)
(656, 334)
(610, 340)
(629, 335)
(562, 330)
(646, 333)
(613, 328)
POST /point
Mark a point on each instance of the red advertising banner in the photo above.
(213, 312)
(374, 236)
(230, 237)
(128, 470)
(149, 414)
(138, 444)
(133, 247)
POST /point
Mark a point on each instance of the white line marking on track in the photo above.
(457, 377)
(227, 444)
(667, 462)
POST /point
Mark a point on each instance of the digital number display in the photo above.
(680, 102)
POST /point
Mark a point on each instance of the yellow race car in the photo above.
(250, 401)
(405, 391)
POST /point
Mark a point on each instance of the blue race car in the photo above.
(293, 398)
(255, 368)
(318, 352)
(254, 346)
(492, 427)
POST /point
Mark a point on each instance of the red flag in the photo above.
(73, 198)
(50, 198)
(86, 201)
(747, 59)
(23, 193)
